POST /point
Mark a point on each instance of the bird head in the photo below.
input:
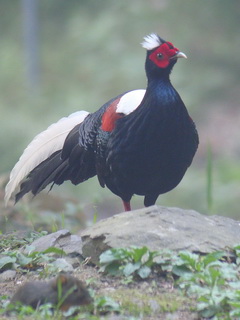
(161, 54)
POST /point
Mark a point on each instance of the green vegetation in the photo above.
(11, 242)
(213, 280)
(142, 303)
(43, 262)
(132, 261)
(101, 305)
(18, 254)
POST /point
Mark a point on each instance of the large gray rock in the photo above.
(161, 228)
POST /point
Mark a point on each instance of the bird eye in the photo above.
(159, 56)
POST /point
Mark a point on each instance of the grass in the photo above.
(143, 303)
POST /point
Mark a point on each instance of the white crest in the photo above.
(130, 101)
(151, 41)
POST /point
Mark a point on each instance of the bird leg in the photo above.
(127, 206)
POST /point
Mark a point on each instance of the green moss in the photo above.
(138, 303)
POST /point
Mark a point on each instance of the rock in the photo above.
(160, 228)
(75, 261)
(63, 265)
(71, 244)
(7, 275)
(62, 239)
(50, 240)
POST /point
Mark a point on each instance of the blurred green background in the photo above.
(88, 51)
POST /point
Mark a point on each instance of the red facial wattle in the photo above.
(162, 55)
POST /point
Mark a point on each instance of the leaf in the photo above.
(7, 262)
(199, 291)
(30, 249)
(215, 274)
(181, 271)
(146, 258)
(130, 268)
(235, 304)
(54, 250)
(165, 258)
(188, 258)
(235, 313)
(107, 257)
(212, 257)
(144, 272)
(208, 312)
(23, 260)
(237, 248)
(112, 255)
(138, 253)
(112, 268)
(235, 285)
(229, 272)
(106, 304)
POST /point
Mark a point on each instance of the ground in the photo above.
(154, 298)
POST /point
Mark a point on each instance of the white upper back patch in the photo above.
(151, 41)
(130, 101)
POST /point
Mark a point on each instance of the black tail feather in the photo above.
(54, 170)
(38, 178)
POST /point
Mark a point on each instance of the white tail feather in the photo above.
(42, 146)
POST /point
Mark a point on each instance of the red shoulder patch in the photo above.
(110, 116)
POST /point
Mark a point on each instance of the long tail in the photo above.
(46, 145)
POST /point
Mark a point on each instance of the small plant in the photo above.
(217, 288)
(236, 251)
(211, 279)
(11, 242)
(133, 261)
(104, 304)
(26, 258)
(28, 261)
(101, 305)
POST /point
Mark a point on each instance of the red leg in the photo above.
(127, 206)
